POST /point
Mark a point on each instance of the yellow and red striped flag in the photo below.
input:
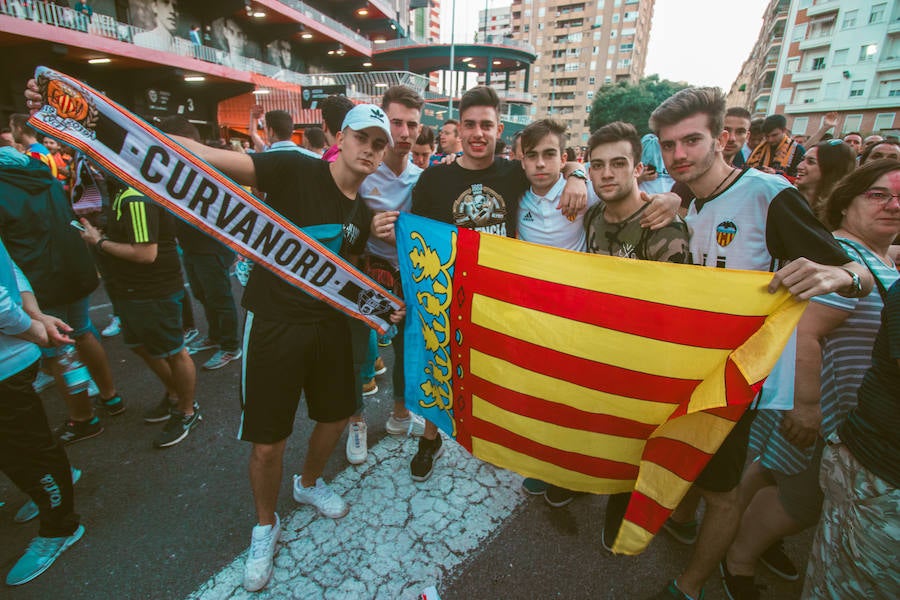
(594, 373)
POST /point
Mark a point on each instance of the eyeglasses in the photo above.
(879, 196)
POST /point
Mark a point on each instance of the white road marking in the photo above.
(399, 537)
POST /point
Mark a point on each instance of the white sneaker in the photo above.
(413, 426)
(327, 501)
(114, 327)
(260, 557)
(357, 444)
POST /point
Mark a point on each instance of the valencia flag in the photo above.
(594, 373)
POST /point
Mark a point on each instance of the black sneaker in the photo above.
(112, 407)
(161, 412)
(76, 431)
(558, 497)
(779, 563)
(738, 587)
(423, 462)
(178, 428)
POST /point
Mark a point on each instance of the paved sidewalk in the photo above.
(402, 538)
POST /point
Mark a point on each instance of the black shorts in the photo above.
(724, 469)
(283, 360)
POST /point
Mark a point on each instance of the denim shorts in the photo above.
(153, 323)
(75, 315)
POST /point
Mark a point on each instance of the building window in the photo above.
(805, 96)
(600, 4)
(884, 121)
(892, 87)
(626, 47)
(784, 95)
(616, 18)
(833, 90)
(608, 65)
(877, 14)
(541, 12)
(840, 57)
(592, 80)
(799, 33)
(598, 35)
(818, 63)
(793, 64)
(589, 94)
(851, 123)
(857, 88)
(849, 19)
(612, 49)
(607, 79)
(630, 16)
(800, 125)
(868, 52)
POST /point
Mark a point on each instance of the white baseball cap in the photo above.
(363, 116)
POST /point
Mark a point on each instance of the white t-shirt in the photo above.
(385, 190)
(540, 222)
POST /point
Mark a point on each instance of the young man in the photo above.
(450, 137)
(29, 453)
(314, 140)
(25, 135)
(389, 188)
(770, 224)
(854, 140)
(294, 343)
(778, 154)
(143, 276)
(334, 108)
(479, 192)
(737, 124)
(279, 130)
(423, 149)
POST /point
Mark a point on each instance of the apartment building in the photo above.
(835, 55)
(581, 45)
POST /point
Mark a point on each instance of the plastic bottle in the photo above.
(74, 372)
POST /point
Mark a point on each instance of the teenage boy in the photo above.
(389, 188)
(768, 224)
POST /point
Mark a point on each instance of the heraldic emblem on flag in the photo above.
(595, 373)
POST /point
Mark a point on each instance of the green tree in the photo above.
(631, 103)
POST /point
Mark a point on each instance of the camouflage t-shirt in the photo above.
(629, 240)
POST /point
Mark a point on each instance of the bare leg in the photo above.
(322, 442)
(161, 368)
(719, 526)
(400, 410)
(765, 521)
(184, 378)
(79, 405)
(265, 479)
(92, 354)
(431, 430)
(755, 478)
(687, 508)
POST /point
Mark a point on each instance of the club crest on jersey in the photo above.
(725, 232)
(74, 109)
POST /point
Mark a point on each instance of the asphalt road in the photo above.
(161, 523)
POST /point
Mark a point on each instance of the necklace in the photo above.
(721, 183)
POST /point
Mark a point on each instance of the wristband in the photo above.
(99, 244)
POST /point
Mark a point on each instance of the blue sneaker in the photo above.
(40, 554)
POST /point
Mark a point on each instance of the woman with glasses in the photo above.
(822, 167)
(834, 348)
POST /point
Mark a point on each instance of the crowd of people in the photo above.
(710, 186)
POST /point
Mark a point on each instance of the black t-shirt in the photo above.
(486, 200)
(194, 241)
(302, 190)
(135, 219)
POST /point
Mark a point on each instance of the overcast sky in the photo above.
(703, 42)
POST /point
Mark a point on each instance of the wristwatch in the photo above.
(577, 173)
(855, 288)
(99, 245)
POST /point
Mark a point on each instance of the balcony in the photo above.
(823, 7)
(761, 93)
(808, 75)
(310, 12)
(891, 63)
(894, 27)
(820, 40)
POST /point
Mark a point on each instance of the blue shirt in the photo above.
(15, 353)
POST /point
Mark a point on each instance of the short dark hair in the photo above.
(738, 111)
(864, 157)
(315, 136)
(20, 121)
(281, 123)
(452, 122)
(617, 131)
(480, 95)
(179, 125)
(540, 129)
(851, 186)
(852, 133)
(756, 125)
(773, 122)
(426, 137)
(709, 101)
(401, 94)
(334, 109)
